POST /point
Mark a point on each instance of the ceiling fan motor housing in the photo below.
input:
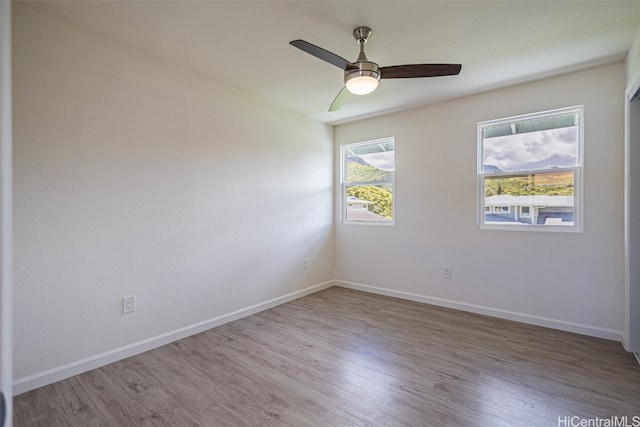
(365, 68)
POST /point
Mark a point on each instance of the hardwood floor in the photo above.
(346, 358)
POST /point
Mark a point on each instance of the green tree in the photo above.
(381, 199)
(559, 184)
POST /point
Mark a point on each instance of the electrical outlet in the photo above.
(446, 272)
(305, 264)
(128, 304)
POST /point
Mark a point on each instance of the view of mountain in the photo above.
(359, 170)
(490, 169)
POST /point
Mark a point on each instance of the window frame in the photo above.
(578, 204)
(344, 186)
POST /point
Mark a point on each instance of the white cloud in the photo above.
(383, 160)
(534, 150)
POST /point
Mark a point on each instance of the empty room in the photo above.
(320, 213)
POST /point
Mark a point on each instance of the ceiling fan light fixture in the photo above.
(362, 82)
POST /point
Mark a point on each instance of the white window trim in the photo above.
(344, 185)
(578, 207)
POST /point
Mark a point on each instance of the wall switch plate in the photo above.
(446, 272)
(306, 264)
(128, 304)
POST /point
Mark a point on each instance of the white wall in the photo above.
(632, 201)
(632, 231)
(6, 210)
(633, 60)
(135, 176)
(565, 280)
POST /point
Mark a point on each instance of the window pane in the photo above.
(371, 162)
(531, 145)
(368, 170)
(551, 121)
(370, 203)
(529, 171)
(540, 199)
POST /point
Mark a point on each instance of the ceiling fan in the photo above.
(361, 77)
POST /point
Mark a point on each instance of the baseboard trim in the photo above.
(23, 385)
(50, 376)
(594, 331)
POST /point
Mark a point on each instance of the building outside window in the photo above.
(367, 178)
(529, 171)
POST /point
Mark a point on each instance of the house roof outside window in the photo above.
(539, 201)
(354, 199)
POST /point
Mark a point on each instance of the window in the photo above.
(368, 170)
(532, 163)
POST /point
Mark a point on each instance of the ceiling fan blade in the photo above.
(340, 99)
(419, 70)
(323, 54)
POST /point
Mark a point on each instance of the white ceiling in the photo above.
(245, 44)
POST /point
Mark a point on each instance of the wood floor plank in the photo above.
(346, 358)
